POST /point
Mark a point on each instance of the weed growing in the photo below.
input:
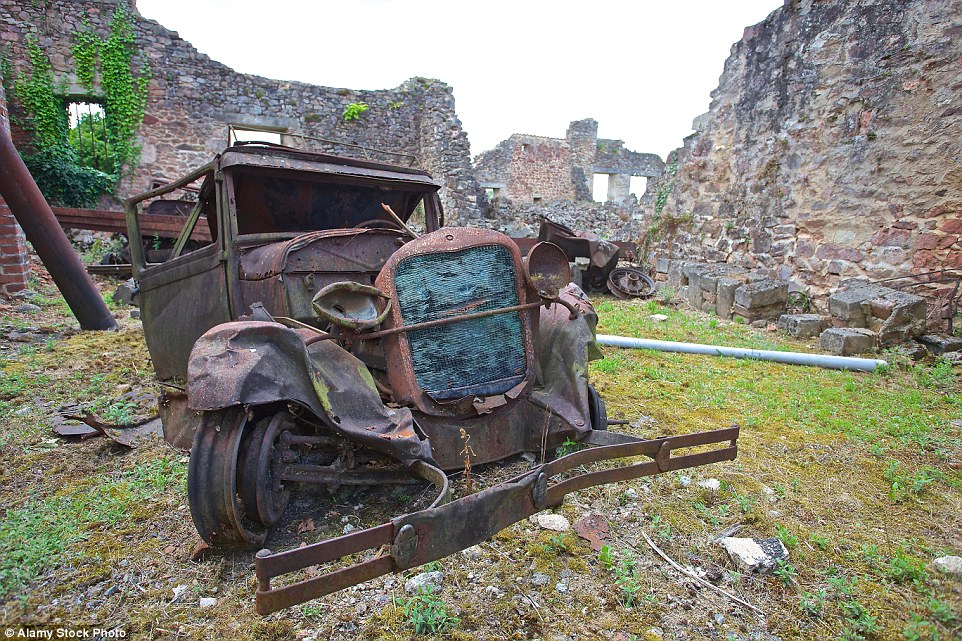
(426, 613)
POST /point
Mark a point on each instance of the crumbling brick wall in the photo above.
(192, 100)
(14, 262)
(832, 147)
(528, 169)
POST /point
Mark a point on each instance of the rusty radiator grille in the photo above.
(479, 357)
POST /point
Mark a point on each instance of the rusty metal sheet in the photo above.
(258, 363)
(594, 529)
(292, 159)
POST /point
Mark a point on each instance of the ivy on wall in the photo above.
(63, 176)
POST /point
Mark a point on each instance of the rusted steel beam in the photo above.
(31, 210)
(115, 222)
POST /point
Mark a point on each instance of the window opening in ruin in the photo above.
(524, 148)
(88, 134)
(599, 188)
(253, 133)
(638, 186)
(536, 198)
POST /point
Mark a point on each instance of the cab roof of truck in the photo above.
(271, 156)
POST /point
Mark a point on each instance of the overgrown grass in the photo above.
(846, 461)
(42, 533)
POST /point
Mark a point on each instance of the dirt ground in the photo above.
(857, 474)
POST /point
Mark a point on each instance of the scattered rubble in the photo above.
(555, 522)
(894, 316)
(423, 582)
(845, 341)
(949, 565)
(938, 344)
(755, 555)
(802, 325)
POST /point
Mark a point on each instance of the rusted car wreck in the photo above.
(302, 332)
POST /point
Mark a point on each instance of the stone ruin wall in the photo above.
(536, 177)
(192, 99)
(832, 148)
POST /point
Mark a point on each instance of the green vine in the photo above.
(85, 52)
(64, 176)
(124, 93)
(44, 116)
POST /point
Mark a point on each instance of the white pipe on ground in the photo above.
(791, 358)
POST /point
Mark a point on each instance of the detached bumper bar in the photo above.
(436, 532)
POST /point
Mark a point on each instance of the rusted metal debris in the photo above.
(90, 426)
(630, 282)
(594, 529)
(314, 340)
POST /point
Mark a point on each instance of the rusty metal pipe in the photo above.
(40, 226)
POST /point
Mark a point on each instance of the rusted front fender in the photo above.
(258, 363)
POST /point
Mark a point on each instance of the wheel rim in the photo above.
(219, 515)
(258, 485)
(627, 281)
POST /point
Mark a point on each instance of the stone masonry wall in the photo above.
(528, 169)
(832, 148)
(14, 262)
(192, 99)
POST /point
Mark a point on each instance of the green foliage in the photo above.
(427, 613)
(354, 110)
(66, 172)
(666, 186)
(568, 447)
(606, 558)
(860, 622)
(812, 604)
(44, 116)
(784, 572)
(64, 181)
(626, 578)
(125, 93)
(903, 568)
(89, 140)
(785, 535)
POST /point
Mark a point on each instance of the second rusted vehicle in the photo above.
(316, 338)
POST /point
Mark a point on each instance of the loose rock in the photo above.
(949, 564)
(208, 602)
(424, 582)
(539, 579)
(555, 522)
(28, 308)
(710, 484)
(755, 555)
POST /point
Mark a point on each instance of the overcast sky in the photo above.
(642, 69)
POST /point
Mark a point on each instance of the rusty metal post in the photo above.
(41, 228)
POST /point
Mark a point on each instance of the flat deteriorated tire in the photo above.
(597, 413)
(256, 482)
(218, 513)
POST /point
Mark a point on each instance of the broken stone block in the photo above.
(847, 341)
(752, 314)
(725, 301)
(755, 555)
(938, 344)
(762, 293)
(896, 316)
(802, 325)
